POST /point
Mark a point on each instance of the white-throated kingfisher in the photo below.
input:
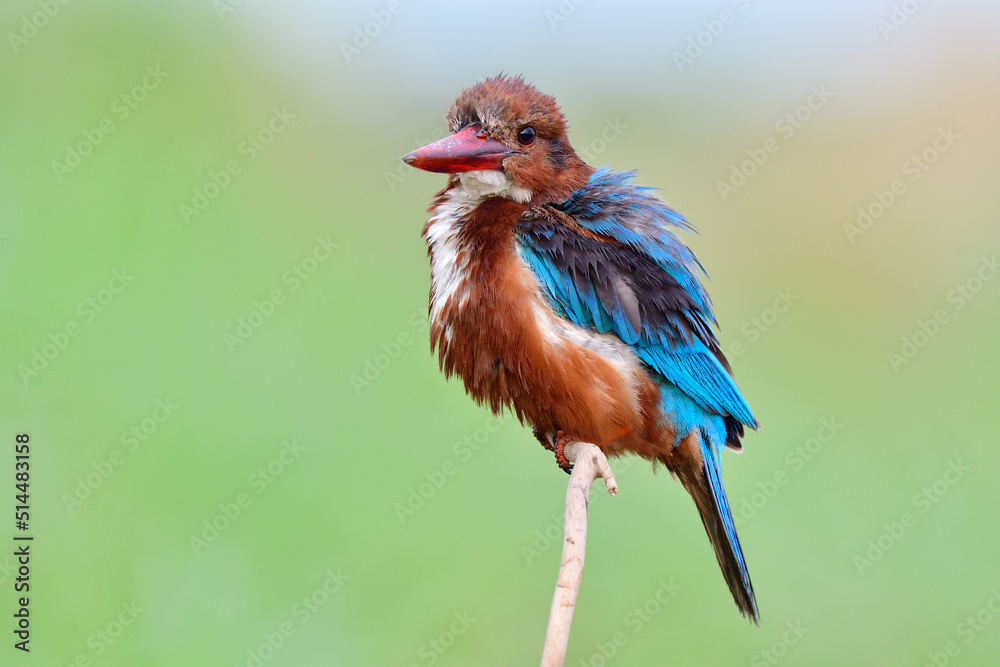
(562, 292)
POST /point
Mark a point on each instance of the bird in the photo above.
(562, 293)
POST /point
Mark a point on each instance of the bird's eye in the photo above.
(526, 136)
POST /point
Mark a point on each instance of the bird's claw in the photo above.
(558, 447)
(542, 439)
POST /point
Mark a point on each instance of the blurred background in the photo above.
(214, 294)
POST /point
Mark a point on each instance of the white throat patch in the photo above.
(482, 183)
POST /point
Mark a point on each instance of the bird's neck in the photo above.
(470, 243)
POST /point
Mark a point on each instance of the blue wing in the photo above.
(608, 259)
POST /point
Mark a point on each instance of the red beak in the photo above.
(465, 150)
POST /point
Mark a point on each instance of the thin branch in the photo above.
(590, 465)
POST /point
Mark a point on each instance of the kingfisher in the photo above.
(564, 294)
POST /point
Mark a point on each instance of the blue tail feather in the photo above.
(710, 497)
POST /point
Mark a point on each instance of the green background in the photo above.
(479, 544)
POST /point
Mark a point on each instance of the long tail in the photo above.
(710, 497)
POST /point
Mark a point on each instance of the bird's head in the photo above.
(509, 140)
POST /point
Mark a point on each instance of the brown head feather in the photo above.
(503, 106)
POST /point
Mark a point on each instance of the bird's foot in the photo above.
(557, 446)
(540, 435)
